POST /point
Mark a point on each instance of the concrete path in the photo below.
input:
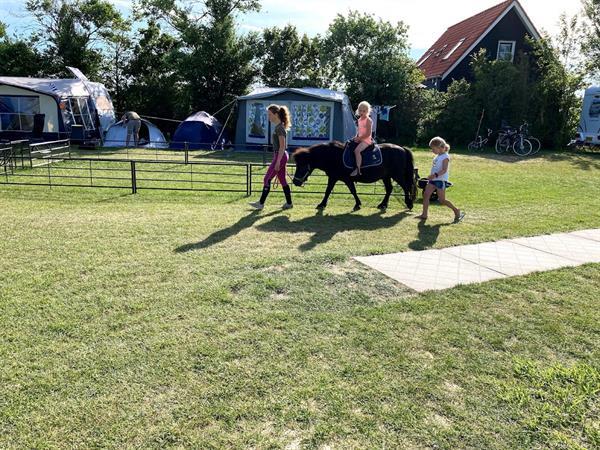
(431, 270)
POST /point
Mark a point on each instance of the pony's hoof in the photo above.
(382, 207)
(321, 206)
(410, 206)
(356, 208)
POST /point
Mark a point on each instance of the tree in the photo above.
(151, 78)
(73, 32)
(19, 58)
(215, 63)
(554, 105)
(288, 59)
(368, 58)
(591, 44)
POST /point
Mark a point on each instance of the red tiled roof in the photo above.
(469, 29)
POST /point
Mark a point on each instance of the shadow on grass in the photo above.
(324, 228)
(221, 235)
(427, 235)
(581, 160)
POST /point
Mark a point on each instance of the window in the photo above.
(454, 48)
(595, 107)
(17, 112)
(78, 112)
(441, 50)
(256, 122)
(506, 51)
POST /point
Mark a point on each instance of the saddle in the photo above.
(371, 156)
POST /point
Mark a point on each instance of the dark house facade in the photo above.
(501, 30)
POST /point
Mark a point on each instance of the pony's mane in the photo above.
(302, 150)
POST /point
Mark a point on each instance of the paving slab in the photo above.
(594, 235)
(429, 269)
(509, 258)
(566, 245)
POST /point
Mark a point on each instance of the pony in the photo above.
(398, 165)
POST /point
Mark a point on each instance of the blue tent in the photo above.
(199, 131)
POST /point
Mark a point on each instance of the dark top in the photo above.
(279, 131)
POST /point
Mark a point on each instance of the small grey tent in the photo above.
(150, 136)
(318, 115)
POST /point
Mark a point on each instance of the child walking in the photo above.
(438, 178)
(279, 116)
(363, 136)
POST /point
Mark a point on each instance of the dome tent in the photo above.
(199, 131)
(150, 136)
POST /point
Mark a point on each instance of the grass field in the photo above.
(180, 319)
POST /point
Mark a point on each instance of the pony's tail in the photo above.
(411, 174)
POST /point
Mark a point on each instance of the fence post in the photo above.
(247, 180)
(133, 179)
(187, 157)
(250, 181)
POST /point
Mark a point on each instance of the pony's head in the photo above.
(303, 168)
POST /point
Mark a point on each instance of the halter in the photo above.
(303, 179)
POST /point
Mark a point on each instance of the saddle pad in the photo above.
(371, 156)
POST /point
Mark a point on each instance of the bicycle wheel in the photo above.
(522, 147)
(536, 145)
(502, 144)
(472, 146)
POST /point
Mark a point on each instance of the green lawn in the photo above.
(179, 319)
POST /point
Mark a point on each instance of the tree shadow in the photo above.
(225, 233)
(582, 161)
(427, 235)
(324, 228)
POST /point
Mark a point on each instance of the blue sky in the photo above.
(426, 21)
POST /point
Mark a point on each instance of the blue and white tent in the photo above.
(63, 102)
(199, 131)
(150, 136)
(318, 115)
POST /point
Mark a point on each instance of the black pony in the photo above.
(398, 165)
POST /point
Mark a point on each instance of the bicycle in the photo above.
(480, 141)
(536, 145)
(511, 138)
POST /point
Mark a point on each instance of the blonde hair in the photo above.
(366, 105)
(283, 113)
(440, 143)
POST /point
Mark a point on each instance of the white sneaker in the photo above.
(256, 205)
(287, 206)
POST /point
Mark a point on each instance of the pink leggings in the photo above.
(281, 174)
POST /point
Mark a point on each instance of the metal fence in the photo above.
(52, 164)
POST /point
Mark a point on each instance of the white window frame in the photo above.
(86, 126)
(303, 142)
(454, 48)
(514, 46)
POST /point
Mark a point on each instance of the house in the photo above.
(318, 115)
(501, 30)
(50, 106)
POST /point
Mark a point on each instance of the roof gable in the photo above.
(460, 39)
